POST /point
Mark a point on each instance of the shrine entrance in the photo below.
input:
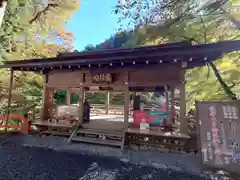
(157, 69)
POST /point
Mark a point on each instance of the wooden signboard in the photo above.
(102, 78)
(219, 134)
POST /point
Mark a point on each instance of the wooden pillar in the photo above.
(172, 97)
(126, 107)
(81, 100)
(107, 102)
(9, 96)
(43, 97)
(68, 97)
(48, 98)
(172, 108)
(126, 101)
(167, 97)
(183, 118)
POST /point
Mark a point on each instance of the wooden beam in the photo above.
(183, 118)
(9, 96)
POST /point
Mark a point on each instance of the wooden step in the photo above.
(100, 132)
(97, 141)
(54, 125)
(56, 133)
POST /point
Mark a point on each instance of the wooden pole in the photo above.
(126, 107)
(47, 100)
(68, 97)
(126, 101)
(167, 97)
(172, 108)
(172, 97)
(44, 97)
(183, 119)
(107, 102)
(9, 97)
(81, 101)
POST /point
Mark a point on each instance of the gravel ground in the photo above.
(40, 161)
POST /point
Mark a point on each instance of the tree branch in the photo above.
(232, 19)
(226, 88)
(46, 9)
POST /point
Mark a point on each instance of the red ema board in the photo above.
(138, 116)
(150, 117)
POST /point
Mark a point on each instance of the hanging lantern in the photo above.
(184, 64)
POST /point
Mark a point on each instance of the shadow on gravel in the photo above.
(19, 163)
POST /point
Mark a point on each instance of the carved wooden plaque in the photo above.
(102, 78)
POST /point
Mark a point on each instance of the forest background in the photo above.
(37, 29)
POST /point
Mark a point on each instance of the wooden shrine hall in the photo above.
(148, 68)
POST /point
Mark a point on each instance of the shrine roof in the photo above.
(182, 53)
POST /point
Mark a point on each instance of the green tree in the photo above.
(33, 29)
(171, 21)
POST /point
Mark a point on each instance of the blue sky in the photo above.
(93, 22)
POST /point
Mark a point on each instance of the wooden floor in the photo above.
(46, 123)
(112, 133)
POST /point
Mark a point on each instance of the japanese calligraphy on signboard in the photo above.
(102, 78)
(219, 131)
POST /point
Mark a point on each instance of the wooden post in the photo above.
(126, 101)
(167, 97)
(9, 96)
(183, 119)
(81, 100)
(68, 97)
(172, 97)
(107, 102)
(126, 107)
(172, 108)
(47, 98)
(43, 97)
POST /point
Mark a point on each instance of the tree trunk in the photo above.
(3, 5)
(225, 87)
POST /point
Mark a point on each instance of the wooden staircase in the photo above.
(98, 136)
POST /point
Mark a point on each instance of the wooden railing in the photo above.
(98, 109)
(110, 109)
